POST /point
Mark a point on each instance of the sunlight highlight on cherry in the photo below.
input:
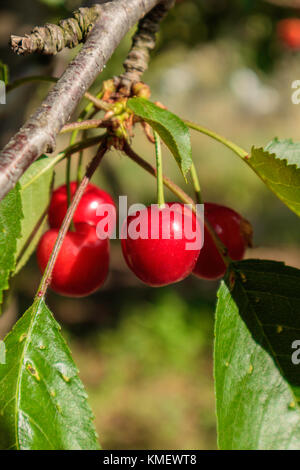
(86, 211)
(82, 263)
(160, 261)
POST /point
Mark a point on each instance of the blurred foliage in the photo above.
(252, 22)
(193, 22)
(145, 388)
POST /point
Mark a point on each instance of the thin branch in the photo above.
(97, 102)
(51, 38)
(143, 42)
(84, 125)
(38, 135)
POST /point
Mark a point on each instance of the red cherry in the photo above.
(235, 233)
(160, 261)
(288, 31)
(86, 211)
(82, 263)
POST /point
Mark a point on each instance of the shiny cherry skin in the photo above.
(155, 259)
(288, 31)
(82, 263)
(235, 233)
(86, 211)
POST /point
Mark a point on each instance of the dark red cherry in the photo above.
(235, 233)
(82, 263)
(92, 199)
(162, 244)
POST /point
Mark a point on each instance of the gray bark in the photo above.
(38, 135)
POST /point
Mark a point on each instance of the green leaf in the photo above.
(54, 3)
(279, 167)
(42, 400)
(257, 384)
(35, 190)
(4, 73)
(10, 230)
(173, 131)
(285, 149)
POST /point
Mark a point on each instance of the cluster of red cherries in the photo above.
(82, 264)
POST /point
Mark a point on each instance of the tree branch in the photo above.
(51, 38)
(143, 42)
(39, 132)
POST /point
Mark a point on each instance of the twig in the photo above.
(143, 42)
(84, 125)
(38, 135)
(51, 38)
(97, 102)
(46, 279)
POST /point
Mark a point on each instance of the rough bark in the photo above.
(38, 134)
(51, 38)
(143, 42)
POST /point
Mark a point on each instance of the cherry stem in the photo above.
(79, 168)
(68, 184)
(152, 170)
(181, 195)
(159, 173)
(81, 125)
(90, 111)
(46, 279)
(235, 148)
(196, 184)
(54, 161)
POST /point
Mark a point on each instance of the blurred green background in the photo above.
(145, 355)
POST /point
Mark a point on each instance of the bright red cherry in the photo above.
(82, 263)
(288, 31)
(235, 233)
(86, 211)
(162, 244)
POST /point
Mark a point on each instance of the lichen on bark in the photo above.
(51, 38)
